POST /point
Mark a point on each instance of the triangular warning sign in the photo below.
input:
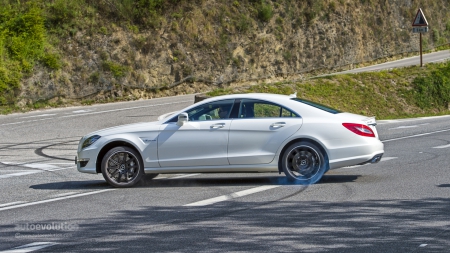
(420, 19)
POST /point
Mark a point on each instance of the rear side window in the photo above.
(251, 108)
(317, 105)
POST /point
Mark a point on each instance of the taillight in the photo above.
(359, 129)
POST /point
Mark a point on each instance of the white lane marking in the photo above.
(402, 127)
(413, 126)
(423, 245)
(39, 166)
(26, 121)
(62, 163)
(233, 195)
(444, 146)
(188, 175)
(42, 115)
(12, 203)
(82, 111)
(390, 121)
(384, 159)
(20, 174)
(12, 170)
(53, 199)
(91, 113)
(64, 194)
(417, 135)
(30, 247)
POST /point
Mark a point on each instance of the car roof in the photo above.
(267, 96)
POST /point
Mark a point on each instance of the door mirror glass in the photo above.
(182, 118)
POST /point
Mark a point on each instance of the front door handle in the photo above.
(218, 125)
(278, 124)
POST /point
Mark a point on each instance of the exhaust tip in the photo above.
(376, 158)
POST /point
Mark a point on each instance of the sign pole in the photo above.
(420, 25)
(421, 63)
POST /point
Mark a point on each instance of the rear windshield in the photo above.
(316, 105)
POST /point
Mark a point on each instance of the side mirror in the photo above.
(182, 118)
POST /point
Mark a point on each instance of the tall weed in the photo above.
(433, 89)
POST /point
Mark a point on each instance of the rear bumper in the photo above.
(356, 160)
(370, 151)
(374, 159)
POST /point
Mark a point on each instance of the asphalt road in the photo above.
(426, 58)
(398, 205)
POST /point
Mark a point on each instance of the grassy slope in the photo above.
(397, 93)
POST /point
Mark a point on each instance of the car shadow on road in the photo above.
(239, 181)
(73, 185)
(193, 182)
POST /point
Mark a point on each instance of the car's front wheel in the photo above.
(304, 163)
(122, 167)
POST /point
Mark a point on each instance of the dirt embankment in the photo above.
(215, 43)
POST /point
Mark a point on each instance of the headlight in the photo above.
(89, 141)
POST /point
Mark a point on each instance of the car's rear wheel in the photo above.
(122, 167)
(304, 163)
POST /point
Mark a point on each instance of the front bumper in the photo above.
(82, 162)
(86, 161)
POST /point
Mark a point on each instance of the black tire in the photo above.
(304, 163)
(122, 167)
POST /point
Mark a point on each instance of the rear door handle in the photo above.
(218, 125)
(278, 124)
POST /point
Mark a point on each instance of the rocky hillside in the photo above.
(102, 50)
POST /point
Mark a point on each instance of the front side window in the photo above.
(251, 108)
(210, 111)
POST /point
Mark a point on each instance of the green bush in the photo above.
(313, 9)
(436, 35)
(52, 61)
(22, 40)
(243, 23)
(9, 83)
(63, 12)
(23, 33)
(116, 69)
(142, 12)
(265, 12)
(433, 90)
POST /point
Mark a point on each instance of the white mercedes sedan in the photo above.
(234, 133)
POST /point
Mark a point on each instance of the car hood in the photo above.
(136, 127)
